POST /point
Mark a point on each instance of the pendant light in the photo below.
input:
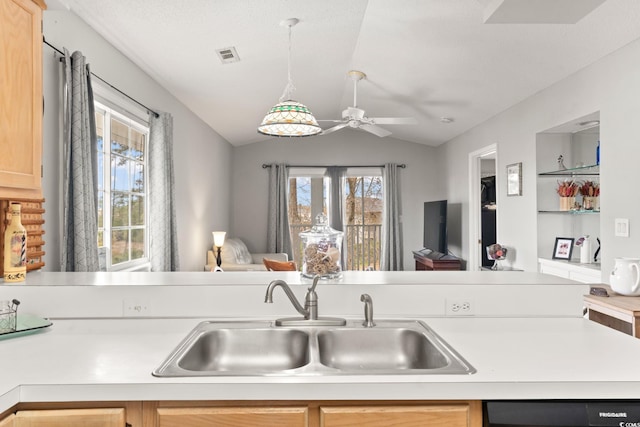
(288, 117)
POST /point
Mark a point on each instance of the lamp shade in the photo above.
(218, 238)
(289, 118)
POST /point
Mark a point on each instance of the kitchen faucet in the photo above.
(310, 309)
(368, 311)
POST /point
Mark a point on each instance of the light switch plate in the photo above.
(622, 227)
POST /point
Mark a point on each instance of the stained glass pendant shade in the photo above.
(289, 118)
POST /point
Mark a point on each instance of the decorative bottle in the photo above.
(15, 247)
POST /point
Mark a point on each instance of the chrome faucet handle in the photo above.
(368, 311)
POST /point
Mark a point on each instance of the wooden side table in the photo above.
(441, 263)
(616, 311)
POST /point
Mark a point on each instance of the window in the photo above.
(307, 198)
(363, 204)
(122, 190)
(363, 222)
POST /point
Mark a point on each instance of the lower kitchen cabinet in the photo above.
(246, 414)
(305, 413)
(8, 421)
(107, 417)
(232, 416)
(76, 414)
(436, 415)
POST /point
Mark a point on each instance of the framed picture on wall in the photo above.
(563, 248)
(514, 179)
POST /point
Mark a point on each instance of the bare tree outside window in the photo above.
(363, 222)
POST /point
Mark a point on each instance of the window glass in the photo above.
(363, 222)
(122, 186)
(363, 206)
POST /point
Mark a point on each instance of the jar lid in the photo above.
(321, 228)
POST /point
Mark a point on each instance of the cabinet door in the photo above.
(233, 417)
(20, 99)
(8, 421)
(397, 416)
(108, 417)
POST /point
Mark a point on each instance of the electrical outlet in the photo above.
(459, 307)
(133, 308)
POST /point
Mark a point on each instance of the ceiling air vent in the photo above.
(228, 55)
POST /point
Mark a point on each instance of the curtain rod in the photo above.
(104, 81)
(265, 166)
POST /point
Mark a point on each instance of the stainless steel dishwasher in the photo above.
(562, 413)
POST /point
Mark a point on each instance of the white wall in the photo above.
(610, 86)
(422, 180)
(202, 158)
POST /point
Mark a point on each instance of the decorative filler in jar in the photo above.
(322, 250)
(590, 192)
(567, 191)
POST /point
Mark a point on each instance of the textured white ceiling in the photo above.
(423, 58)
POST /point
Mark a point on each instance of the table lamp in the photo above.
(218, 241)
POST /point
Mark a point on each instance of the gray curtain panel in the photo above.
(80, 187)
(391, 257)
(278, 233)
(336, 202)
(163, 233)
(336, 205)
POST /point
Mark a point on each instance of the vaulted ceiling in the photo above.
(426, 59)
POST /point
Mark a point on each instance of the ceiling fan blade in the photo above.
(333, 129)
(376, 130)
(394, 120)
(329, 120)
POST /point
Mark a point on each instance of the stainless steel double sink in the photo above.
(260, 348)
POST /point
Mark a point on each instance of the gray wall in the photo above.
(422, 180)
(202, 158)
(610, 86)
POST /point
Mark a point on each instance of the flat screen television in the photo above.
(435, 226)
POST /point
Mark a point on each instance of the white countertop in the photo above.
(526, 339)
(102, 360)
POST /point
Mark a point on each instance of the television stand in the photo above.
(436, 261)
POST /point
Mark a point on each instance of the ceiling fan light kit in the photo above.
(289, 118)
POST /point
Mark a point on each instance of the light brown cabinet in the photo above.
(8, 421)
(311, 413)
(107, 417)
(74, 414)
(247, 414)
(233, 416)
(21, 103)
(433, 415)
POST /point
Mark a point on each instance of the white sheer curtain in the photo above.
(278, 233)
(163, 233)
(391, 257)
(80, 187)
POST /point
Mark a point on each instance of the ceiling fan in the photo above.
(355, 118)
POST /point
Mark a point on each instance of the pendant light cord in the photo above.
(289, 88)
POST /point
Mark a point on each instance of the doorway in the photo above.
(483, 208)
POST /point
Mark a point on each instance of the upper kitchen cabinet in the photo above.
(21, 103)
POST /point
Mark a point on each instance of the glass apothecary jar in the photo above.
(322, 254)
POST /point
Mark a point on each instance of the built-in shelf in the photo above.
(592, 170)
(572, 212)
